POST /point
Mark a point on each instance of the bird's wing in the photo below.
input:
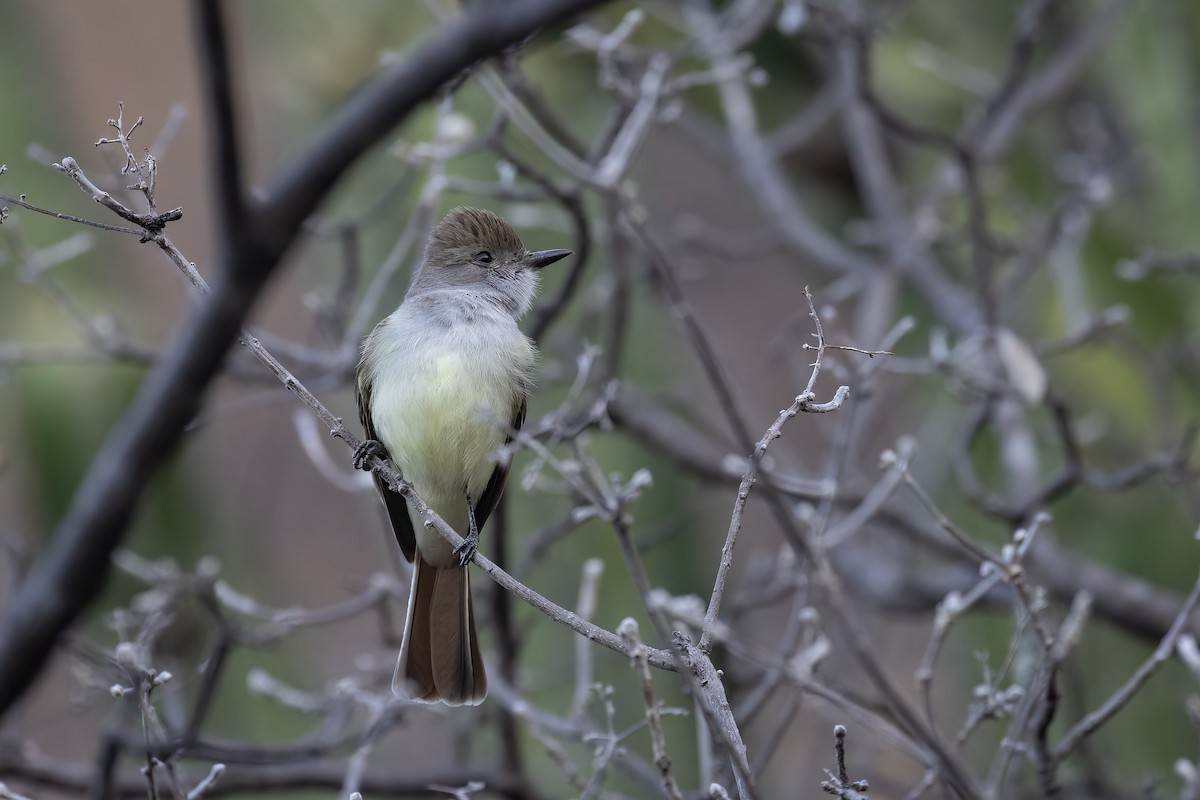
(397, 509)
(487, 501)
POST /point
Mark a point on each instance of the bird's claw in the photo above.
(366, 451)
(467, 550)
(470, 546)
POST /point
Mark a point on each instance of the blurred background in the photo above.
(1039, 303)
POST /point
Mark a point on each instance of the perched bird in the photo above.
(442, 384)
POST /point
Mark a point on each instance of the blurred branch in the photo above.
(77, 779)
(225, 157)
(756, 161)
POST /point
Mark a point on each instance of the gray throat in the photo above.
(459, 305)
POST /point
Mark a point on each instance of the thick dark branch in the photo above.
(225, 157)
(373, 110)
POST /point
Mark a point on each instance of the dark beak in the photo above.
(542, 258)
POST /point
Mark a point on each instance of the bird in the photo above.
(442, 385)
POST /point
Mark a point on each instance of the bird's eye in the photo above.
(482, 257)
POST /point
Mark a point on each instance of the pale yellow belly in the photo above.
(442, 420)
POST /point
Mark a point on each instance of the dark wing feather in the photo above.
(487, 501)
(397, 509)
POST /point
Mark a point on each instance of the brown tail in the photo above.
(439, 655)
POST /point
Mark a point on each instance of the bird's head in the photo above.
(476, 250)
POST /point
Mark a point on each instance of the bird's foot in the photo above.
(467, 550)
(368, 450)
(470, 546)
